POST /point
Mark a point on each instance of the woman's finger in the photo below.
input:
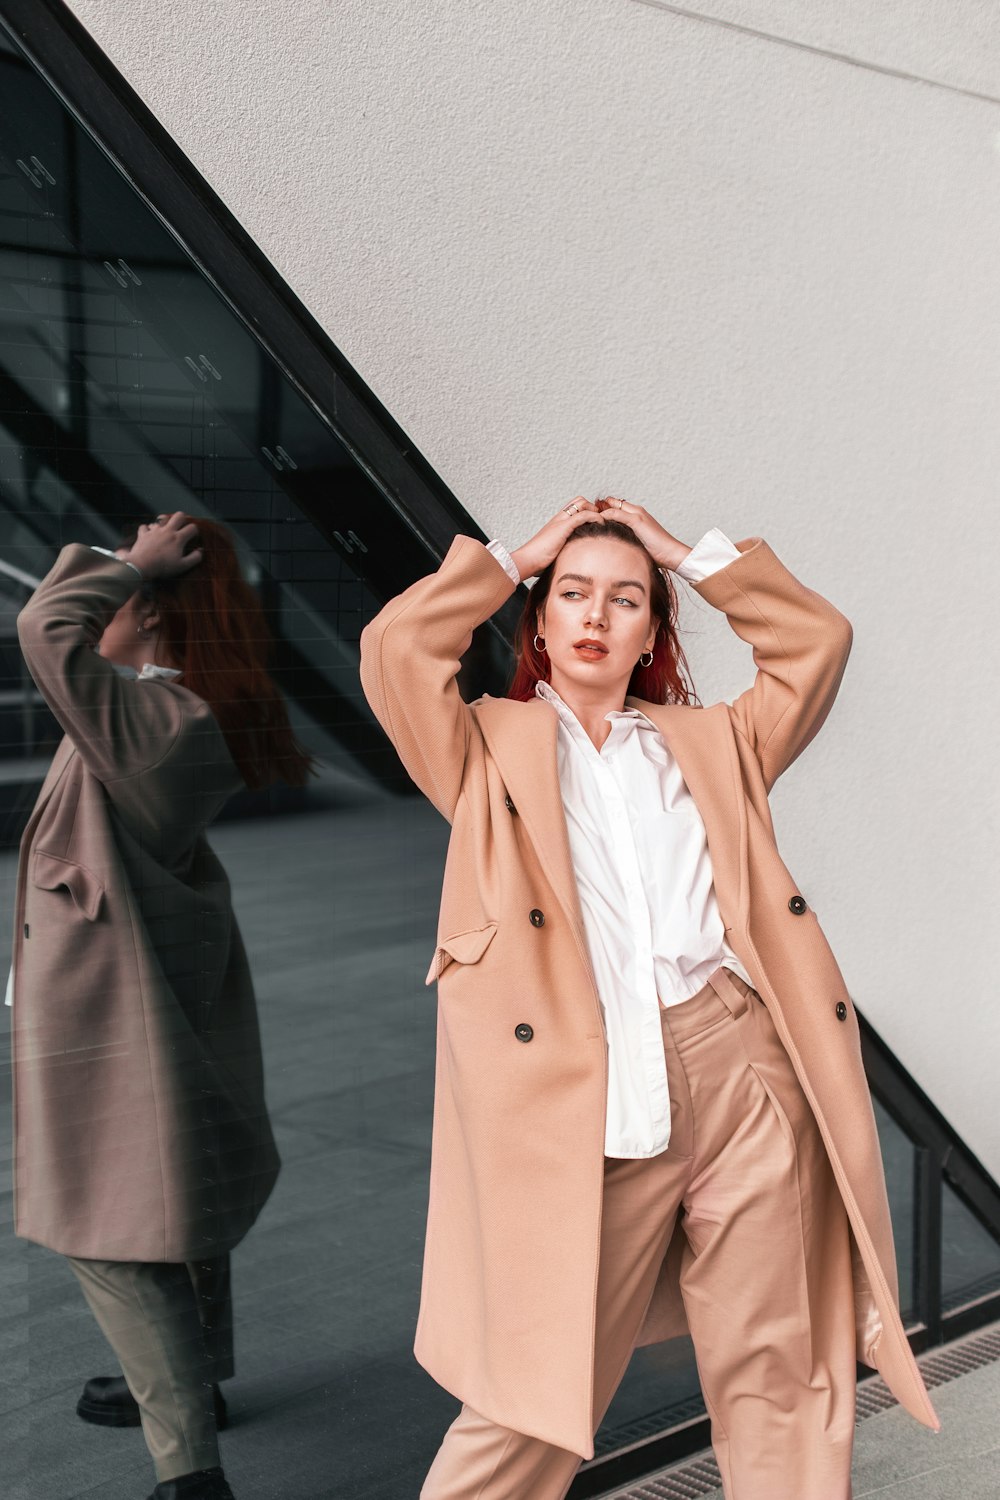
(615, 503)
(575, 514)
(178, 521)
(580, 519)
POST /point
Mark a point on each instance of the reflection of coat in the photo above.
(141, 1131)
(513, 1233)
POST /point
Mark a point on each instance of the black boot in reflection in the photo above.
(203, 1484)
(108, 1402)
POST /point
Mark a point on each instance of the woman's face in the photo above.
(597, 620)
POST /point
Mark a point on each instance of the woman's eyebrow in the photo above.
(623, 583)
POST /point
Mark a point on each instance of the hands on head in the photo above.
(160, 549)
(544, 547)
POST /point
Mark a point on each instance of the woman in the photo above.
(650, 1108)
(143, 1150)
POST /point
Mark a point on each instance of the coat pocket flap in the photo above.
(50, 871)
(461, 947)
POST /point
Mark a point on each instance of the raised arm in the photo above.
(118, 725)
(410, 652)
(410, 656)
(800, 642)
(800, 646)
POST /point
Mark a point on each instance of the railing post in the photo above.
(928, 1189)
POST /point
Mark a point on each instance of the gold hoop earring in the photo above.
(646, 663)
(538, 648)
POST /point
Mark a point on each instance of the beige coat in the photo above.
(141, 1131)
(513, 1232)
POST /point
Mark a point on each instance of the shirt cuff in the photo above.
(503, 557)
(706, 557)
(108, 553)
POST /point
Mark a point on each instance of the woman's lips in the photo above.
(590, 651)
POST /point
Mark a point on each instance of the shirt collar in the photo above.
(548, 694)
(149, 669)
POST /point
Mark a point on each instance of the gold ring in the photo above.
(620, 504)
(570, 510)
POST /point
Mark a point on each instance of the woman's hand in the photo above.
(544, 547)
(160, 547)
(666, 550)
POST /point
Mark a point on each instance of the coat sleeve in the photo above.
(410, 657)
(119, 726)
(800, 646)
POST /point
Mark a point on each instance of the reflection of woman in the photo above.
(143, 1150)
(650, 1109)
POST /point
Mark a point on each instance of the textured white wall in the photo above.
(600, 245)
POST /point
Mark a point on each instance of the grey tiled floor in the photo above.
(897, 1459)
(338, 910)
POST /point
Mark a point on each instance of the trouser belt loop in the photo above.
(729, 993)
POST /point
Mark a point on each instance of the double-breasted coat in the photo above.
(514, 1218)
(141, 1131)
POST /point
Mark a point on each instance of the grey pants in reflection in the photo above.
(171, 1327)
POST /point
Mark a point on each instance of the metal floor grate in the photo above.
(700, 1476)
(658, 1420)
(941, 1365)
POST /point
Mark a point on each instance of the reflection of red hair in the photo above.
(213, 627)
(667, 679)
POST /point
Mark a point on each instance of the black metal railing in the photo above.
(941, 1158)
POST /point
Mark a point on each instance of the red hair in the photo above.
(667, 679)
(213, 628)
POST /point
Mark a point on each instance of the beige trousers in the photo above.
(171, 1328)
(766, 1233)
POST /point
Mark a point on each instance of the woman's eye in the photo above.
(618, 599)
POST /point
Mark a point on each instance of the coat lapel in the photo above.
(522, 740)
(701, 741)
(60, 761)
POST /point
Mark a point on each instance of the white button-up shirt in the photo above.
(647, 895)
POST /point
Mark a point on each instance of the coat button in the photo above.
(841, 1011)
(524, 1032)
(27, 930)
(508, 804)
(797, 905)
(536, 917)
